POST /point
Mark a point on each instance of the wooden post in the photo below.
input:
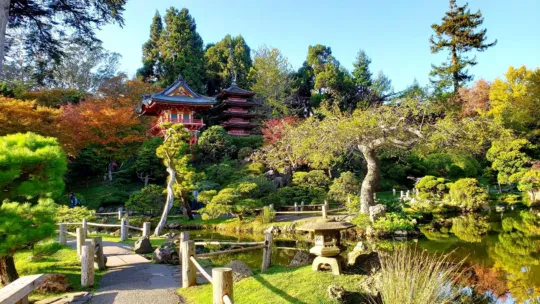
(374, 196)
(87, 265)
(348, 200)
(189, 271)
(223, 284)
(123, 230)
(85, 227)
(97, 243)
(296, 206)
(146, 229)
(62, 234)
(393, 192)
(325, 211)
(184, 236)
(401, 194)
(120, 211)
(302, 206)
(407, 194)
(271, 206)
(267, 251)
(80, 240)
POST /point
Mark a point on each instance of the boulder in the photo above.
(376, 212)
(372, 284)
(143, 245)
(169, 235)
(74, 298)
(240, 270)
(360, 248)
(301, 258)
(273, 229)
(173, 225)
(365, 263)
(53, 283)
(166, 254)
(336, 292)
(101, 210)
(402, 233)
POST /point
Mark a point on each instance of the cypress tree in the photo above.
(151, 57)
(181, 50)
(459, 33)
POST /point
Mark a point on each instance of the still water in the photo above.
(501, 251)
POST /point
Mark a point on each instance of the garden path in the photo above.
(132, 279)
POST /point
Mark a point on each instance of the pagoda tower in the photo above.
(177, 103)
(232, 110)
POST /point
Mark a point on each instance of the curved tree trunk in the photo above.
(169, 203)
(370, 180)
(187, 207)
(4, 16)
(8, 272)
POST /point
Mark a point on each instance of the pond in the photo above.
(501, 251)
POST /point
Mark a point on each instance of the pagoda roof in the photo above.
(178, 93)
(234, 90)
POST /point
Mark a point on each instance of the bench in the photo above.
(17, 292)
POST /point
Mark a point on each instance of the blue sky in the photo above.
(394, 33)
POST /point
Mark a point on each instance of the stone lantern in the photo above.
(327, 238)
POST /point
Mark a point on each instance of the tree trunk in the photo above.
(146, 178)
(8, 272)
(187, 208)
(169, 203)
(455, 73)
(370, 180)
(4, 15)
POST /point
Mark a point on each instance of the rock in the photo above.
(370, 231)
(143, 245)
(336, 292)
(53, 283)
(365, 263)
(173, 225)
(101, 210)
(273, 229)
(301, 258)
(166, 254)
(240, 270)
(401, 233)
(360, 248)
(376, 212)
(74, 298)
(116, 233)
(372, 284)
(169, 235)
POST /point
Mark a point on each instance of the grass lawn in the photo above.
(281, 285)
(51, 257)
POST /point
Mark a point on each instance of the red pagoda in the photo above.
(232, 110)
(178, 103)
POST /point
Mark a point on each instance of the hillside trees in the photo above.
(47, 24)
(32, 169)
(271, 80)
(220, 66)
(174, 49)
(458, 33)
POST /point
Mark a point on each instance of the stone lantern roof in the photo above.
(325, 225)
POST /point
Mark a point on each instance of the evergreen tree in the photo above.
(151, 57)
(181, 50)
(361, 72)
(459, 33)
(219, 64)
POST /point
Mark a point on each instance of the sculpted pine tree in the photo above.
(175, 154)
(459, 33)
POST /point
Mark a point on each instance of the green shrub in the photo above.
(267, 215)
(361, 220)
(253, 141)
(64, 214)
(391, 222)
(529, 183)
(264, 185)
(345, 186)
(215, 144)
(149, 200)
(311, 179)
(244, 152)
(223, 173)
(431, 188)
(454, 166)
(470, 228)
(254, 168)
(468, 194)
(289, 195)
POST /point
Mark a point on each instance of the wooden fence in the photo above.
(299, 209)
(222, 278)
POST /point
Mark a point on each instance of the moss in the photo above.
(281, 285)
(50, 257)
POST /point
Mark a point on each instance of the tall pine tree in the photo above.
(219, 64)
(151, 70)
(459, 33)
(361, 72)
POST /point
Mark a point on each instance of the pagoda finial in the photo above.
(231, 58)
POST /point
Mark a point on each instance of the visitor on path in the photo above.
(73, 201)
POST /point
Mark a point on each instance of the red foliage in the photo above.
(475, 99)
(274, 129)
